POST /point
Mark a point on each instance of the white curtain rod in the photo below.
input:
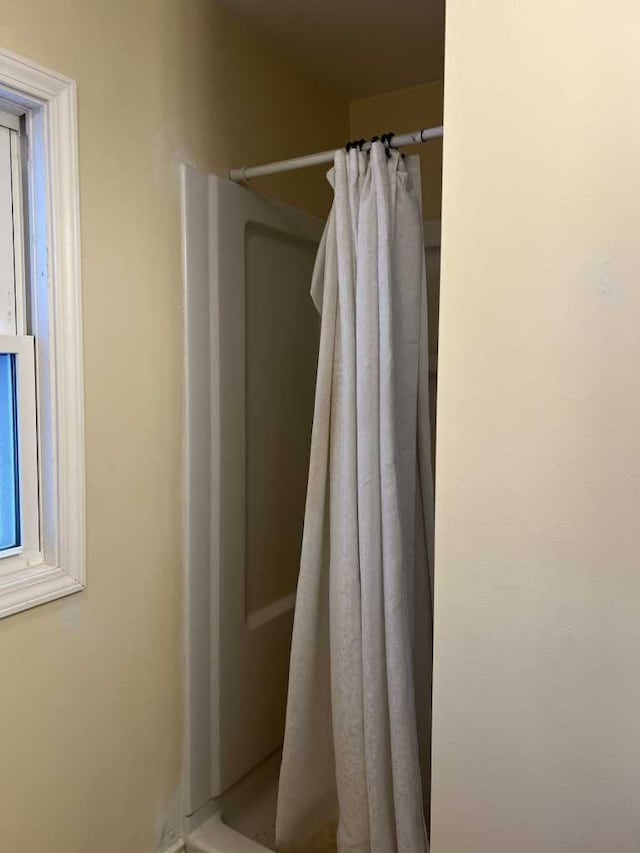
(242, 175)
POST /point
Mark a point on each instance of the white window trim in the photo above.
(49, 100)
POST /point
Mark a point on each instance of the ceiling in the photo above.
(360, 47)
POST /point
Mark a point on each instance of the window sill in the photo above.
(30, 587)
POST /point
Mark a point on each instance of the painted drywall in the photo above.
(401, 112)
(536, 744)
(91, 705)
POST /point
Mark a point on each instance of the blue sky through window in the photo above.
(9, 495)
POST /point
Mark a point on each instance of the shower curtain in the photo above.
(355, 764)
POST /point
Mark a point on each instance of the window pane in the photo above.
(9, 495)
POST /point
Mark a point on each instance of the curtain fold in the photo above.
(355, 766)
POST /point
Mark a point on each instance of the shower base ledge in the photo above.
(214, 836)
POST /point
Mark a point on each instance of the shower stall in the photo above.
(251, 340)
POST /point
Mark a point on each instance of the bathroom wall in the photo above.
(401, 112)
(536, 743)
(91, 707)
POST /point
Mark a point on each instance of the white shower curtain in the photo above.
(355, 765)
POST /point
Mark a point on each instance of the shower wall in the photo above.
(252, 336)
(282, 337)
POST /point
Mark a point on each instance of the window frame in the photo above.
(52, 256)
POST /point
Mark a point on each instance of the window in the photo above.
(19, 505)
(10, 521)
(41, 389)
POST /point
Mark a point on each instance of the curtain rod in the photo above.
(242, 175)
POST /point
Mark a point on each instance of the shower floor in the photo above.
(247, 819)
(249, 806)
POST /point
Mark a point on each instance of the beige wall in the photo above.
(537, 694)
(90, 707)
(402, 112)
